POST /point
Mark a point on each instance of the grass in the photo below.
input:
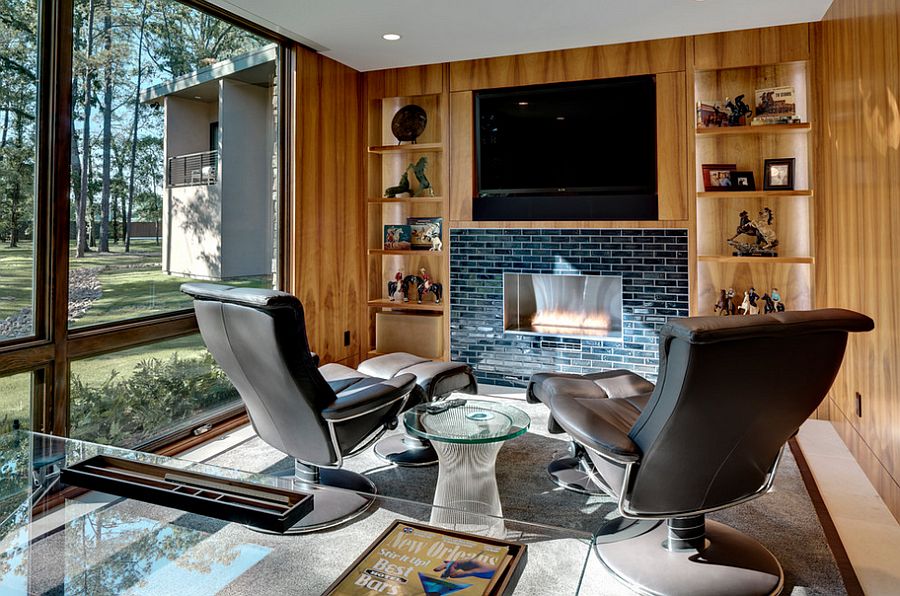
(133, 285)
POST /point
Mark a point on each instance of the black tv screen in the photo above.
(567, 151)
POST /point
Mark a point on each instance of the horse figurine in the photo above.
(402, 187)
(426, 285)
(394, 286)
(776, 298)
(725, 305)
(409, 280)
(738, 110)
(425, 189)
(770, 304)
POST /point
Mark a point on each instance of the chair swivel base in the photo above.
(730, 563)
(338, 506)
(404, 450)
(570, 474)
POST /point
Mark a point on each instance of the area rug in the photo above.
(784, 520)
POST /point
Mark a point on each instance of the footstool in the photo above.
(576, 472)
(435, 379)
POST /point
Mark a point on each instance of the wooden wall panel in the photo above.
(462, 156)
(671, 151)
(752, 46)
(857, 78)
(412, 80)
(598, 62)
(328, 228)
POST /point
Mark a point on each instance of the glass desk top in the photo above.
(72, 542)
(477, 421)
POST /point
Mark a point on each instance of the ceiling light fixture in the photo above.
(560, 117)
(523, 103)
(391, 36)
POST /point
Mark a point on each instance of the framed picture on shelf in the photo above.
(397, 237)
(711, 114)
(717, 176)
(778, 174)
(426, 232)
(775, 105)
(742, 180)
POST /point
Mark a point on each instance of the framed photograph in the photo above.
(397, 237)
(778, 174)
(717, 176)
(711, 114)
(424, 230)
(742, 180)
(775, 105)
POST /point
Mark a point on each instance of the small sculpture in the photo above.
(433, 235)
(402, 187)
(425, 189)
(738, 110)
(776, 298)
(725, 305)
(764, 235)
(394, 289)
(749, 306)
(426, 285)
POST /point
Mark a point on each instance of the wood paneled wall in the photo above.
(857, 63)
(327, 271)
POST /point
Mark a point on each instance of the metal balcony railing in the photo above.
(193, 169)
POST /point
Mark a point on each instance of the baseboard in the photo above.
(878, 474)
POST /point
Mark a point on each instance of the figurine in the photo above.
(426, 285)
(402, 187)
(776, 298)
(425, 189)
(738, 110)
(753, 297)
(770, 304)
(394, 287)
(762, 231)
(433, 235)
(725, 305)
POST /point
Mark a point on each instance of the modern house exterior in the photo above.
(219, 152)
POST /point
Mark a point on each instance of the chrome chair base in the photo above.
(728, 562)
(571, 474)
(407, 451)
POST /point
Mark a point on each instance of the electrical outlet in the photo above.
(346, 338)
(859, 404)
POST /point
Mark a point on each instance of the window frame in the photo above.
(48, 352)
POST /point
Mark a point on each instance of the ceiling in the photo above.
(445, 30)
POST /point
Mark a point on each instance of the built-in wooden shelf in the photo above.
(718, 194)
(757, 260)
(386, 201)
(385, 303)
(411, 148)
(382, 251)
(801, 127)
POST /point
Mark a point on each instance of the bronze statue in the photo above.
(402, 187)
(425, 189)
(762, 231)
(725, 305)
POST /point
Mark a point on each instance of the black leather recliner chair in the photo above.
(319, 416)
(731, 392)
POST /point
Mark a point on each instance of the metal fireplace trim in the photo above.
(607, 287)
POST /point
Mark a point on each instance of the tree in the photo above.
(134, 125)
(81, 211)
(107, 127)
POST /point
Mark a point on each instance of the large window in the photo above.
(18, 140)
(140, 148)
(173, 160)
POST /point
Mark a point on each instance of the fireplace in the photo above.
(559, 305)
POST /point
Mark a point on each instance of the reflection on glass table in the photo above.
(77, 542)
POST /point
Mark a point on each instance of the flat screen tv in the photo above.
(569, 151)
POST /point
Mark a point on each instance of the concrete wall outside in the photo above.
(192, 236)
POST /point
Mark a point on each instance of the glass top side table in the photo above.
(467, 439)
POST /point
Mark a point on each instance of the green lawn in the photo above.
(133, 285)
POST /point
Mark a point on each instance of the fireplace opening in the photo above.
(580, 306)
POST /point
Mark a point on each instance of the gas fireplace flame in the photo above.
(565, 322)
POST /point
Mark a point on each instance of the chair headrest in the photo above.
(705, 330)
(255, 297)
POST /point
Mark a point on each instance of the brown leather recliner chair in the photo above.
(731, 392)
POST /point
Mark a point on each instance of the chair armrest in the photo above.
(370, 398)
(601, 425)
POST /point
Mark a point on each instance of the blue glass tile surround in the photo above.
(654, 269)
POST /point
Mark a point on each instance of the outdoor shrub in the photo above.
(125, 411)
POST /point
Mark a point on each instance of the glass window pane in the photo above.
(15, 401)
(129, 397)
(174, 157)
(18, 110)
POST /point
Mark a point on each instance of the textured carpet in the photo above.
(784, 520)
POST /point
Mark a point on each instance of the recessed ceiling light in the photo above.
(391, 36)
(560, 117)
(523, 103)
(197, 97)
